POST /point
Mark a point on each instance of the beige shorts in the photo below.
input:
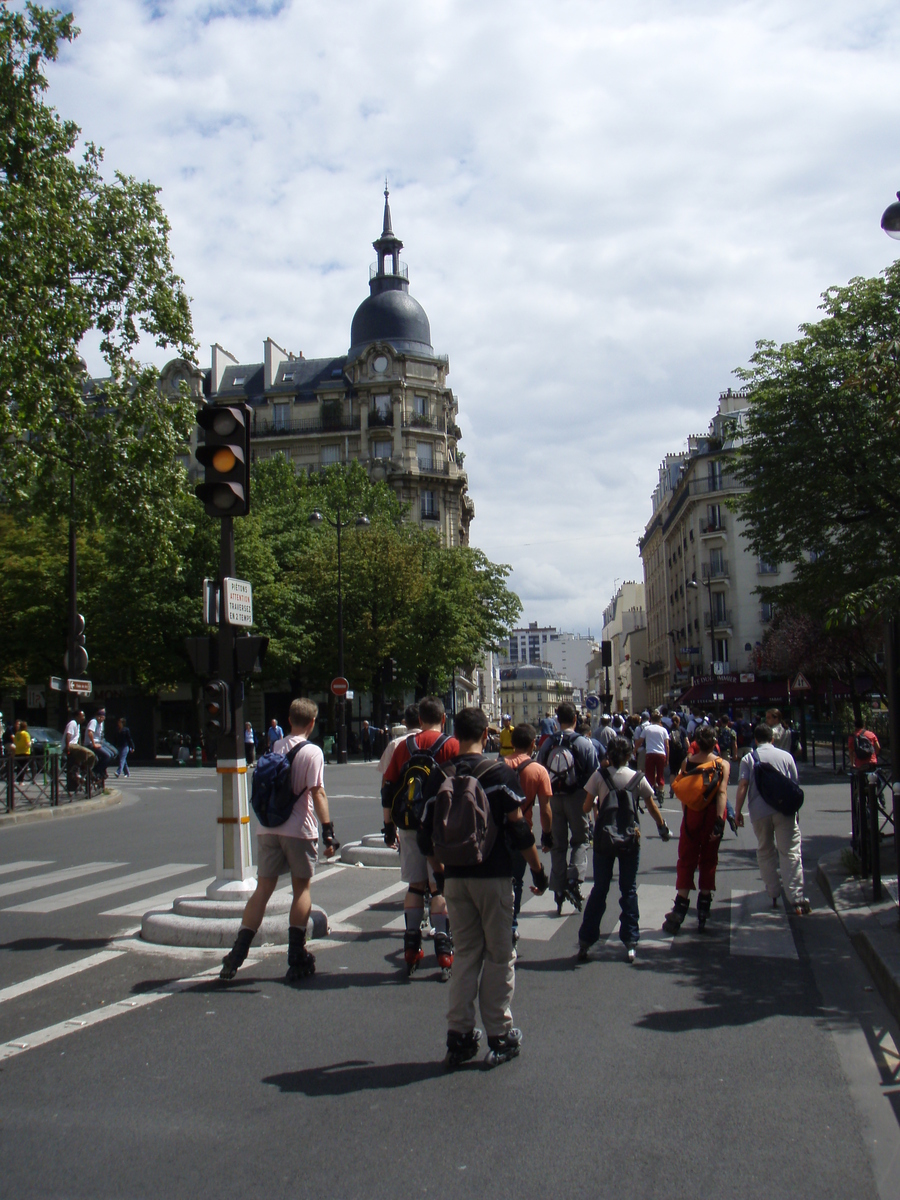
(414, 866)
(277, 855)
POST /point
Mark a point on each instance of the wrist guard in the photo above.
(546, 841)
(438, 883)
(718, 827)
(540, 880)
(328, 838)
(389, 833)
(665, 832)
(519, 835)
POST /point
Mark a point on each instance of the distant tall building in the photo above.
(625, 628)
(705, 621)
(385, 402)
(568, 654)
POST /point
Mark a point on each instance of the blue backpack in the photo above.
(272, 797)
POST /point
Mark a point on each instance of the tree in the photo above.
(821, 452)
(79, 254)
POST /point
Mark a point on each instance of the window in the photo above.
(716, 563)
(382, 449)
(330, 454)
(722, 650)
(766, 611)
(765, 567)
(715, 477)
(381, 413)
(425, 456)
(281, 416)
(421, 403)
(713, 516)
(429, 506)
(719, 606)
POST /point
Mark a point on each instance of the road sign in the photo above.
(340, 686)
(592, 702)
(210, 602)
(57, 684)
(801, 683)
(238, 602)
(81, 687)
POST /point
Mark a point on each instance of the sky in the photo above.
(603, 207)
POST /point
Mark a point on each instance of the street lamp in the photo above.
(361, 522)
(707, 583)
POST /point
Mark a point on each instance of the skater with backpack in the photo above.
(617, 791)
(535, 783)
(702, 787)
(288, 796)
(570, 761)
(472, 817)
(403, 802)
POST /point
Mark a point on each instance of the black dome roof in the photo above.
(394, 317)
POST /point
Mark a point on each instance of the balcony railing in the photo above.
(718, 483)
(419, 421)
(307, 425)
(766, 568)
(707, 526)
(403, 272)
(430, 514)
(431, 466)
(377, 417)
(719, 619)
(716, 570)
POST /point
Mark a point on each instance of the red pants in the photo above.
(696, 847)
(654, 769)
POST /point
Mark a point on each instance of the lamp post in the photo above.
(361, 522)
(890, 223)
(707, 583)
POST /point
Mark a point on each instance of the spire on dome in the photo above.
(387, 231)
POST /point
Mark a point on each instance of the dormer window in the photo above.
(288, 378)
(239, 382)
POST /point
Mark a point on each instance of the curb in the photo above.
(873, 929)
(73, 808)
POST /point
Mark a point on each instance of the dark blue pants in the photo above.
(629, 930)
(519, 864)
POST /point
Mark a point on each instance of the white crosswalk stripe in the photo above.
(654, 901)
(163, 900)
(109, 887)
(38, 981)
(51, 877)
(25, 864)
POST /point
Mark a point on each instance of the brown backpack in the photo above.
(463, 830)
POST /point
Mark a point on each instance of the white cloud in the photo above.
(604, 206)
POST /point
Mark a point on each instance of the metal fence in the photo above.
(41, 780)
(871, 809)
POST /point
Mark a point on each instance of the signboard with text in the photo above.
(238, 601)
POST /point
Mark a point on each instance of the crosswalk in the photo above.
(755, 928)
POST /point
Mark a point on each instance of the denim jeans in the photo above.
(123, 761)
(629, 930)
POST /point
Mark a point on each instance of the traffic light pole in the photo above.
(342, 723)
(71, 701)
(234, 858)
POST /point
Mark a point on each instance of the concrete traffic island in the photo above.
(370, 852)
(201, 923)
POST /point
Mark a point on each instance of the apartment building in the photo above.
(528, 693)
(568, 654)
(625, 628)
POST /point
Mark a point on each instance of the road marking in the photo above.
(74, 968)
(137, 908)
(758, 929)
(538, 921)
(36, 881)
(654, 901)
(52, 1033)
(25, 864)
(109, 887)
(346, 913)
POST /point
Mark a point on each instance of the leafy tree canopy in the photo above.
(79, 253)
(821, 451)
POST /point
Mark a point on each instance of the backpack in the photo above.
(272, 797)
(697, 783)
(561, 766)
(618, 822)
(863, 746)
(463, 830)
(407, 803)
(778, 790)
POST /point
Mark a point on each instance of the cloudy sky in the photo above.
(603, 206)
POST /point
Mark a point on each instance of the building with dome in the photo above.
(385, 403)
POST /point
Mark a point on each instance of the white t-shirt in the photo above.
(385, 761)
(73, 733)
(655, 738)
(307, 771)
(621, 777)
(94, 727)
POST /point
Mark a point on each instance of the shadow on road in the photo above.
(355, 1075)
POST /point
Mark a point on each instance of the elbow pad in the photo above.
(519, 835)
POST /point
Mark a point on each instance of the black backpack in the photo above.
(863, 746)
(618, 826)
(272, 797)
(407, 803)
(777, 789)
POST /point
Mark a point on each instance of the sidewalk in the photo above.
(873, 928)
(27, 813)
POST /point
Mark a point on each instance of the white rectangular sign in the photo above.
(80, 687)
(35, 696)
(238, 602)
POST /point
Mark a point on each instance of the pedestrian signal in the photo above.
(217, 706)
(225, 456)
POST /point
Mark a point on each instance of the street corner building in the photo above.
(385, 403)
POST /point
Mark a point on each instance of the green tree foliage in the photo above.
(821, 452)
(79, 254)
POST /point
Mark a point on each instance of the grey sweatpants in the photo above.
(570, 830)
(481, 919)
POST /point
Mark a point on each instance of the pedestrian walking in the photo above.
(274, 733)
(369, 738)
(506, 742)
(702, 788)
(863, 746)
(410, 725)
(778, 850)
(124, 745)
(653, 736)
(23, 751)
(249, 743)
(535, 783)
(475, 872)
(781, 735)
(291, 847)
(678, 750)
(616, 791)
(570, 761)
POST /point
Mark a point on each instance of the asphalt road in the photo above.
(752, 1061)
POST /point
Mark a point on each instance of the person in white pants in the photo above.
(777, 835)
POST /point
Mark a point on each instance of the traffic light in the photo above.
(389, 671)
(225, 456)
(249, 653)
(217, 706)
(79, 666)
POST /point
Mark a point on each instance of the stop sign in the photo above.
(340, 686)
